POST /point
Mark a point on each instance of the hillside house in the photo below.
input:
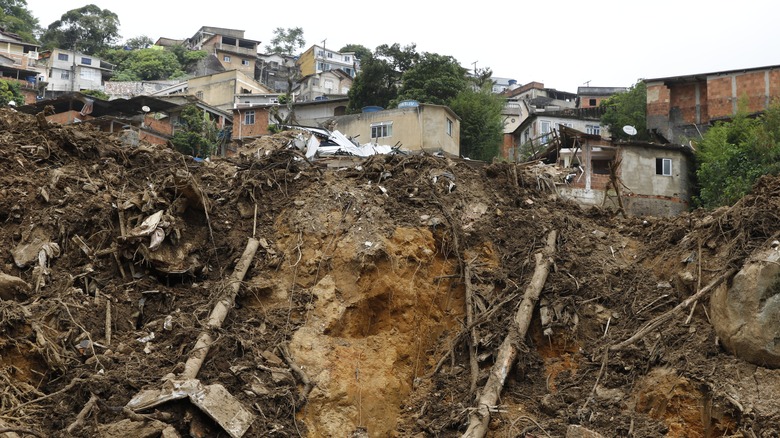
(228, 46)
(424, 127)
(19, 63)
(680, 108)
(591, 97)
(72, 71)
(317, 59)
(653, 179)
(538, 129)
(274, 70)
(324, 85)
(218, 90)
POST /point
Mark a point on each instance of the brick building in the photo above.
(680, 108)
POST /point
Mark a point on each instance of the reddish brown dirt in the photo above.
(359, 283)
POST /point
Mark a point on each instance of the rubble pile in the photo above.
(143, 293)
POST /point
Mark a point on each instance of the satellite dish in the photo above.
(630, 130)
(146, 109)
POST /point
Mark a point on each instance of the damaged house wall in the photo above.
(655, 188)
(682, 108)
(426, 127)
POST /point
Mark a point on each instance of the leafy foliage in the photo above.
(196, 134)
(374, 85)
(361, 52)
(435, 79)
(88, 29)
(149, 65)
(96, 93)
(16, 18)
(10, 91)
(286, 41)
(481, 128)
(139, 42)
(733, 155)
(628, 108)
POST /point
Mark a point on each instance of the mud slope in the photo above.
(352, 319)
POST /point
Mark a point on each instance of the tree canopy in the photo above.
(374, 85)
(286, 41)
(10, 91)
(88, 29)
(196, 134)
(628, 108)
(149, 65)
(732, 155)
(435, 79)
(16, 17)
(361, 52)
(481, 126)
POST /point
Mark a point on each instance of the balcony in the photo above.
(251, 52)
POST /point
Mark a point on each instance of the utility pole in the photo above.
(475, 67)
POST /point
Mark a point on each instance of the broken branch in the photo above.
(480, 416)
(658, 321)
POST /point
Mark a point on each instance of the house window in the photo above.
(592, 102)
(381, 129)
(663, 166)
(315, 82)
(86, 61)
(593, 129)
(249, 117)
(449, 127)
(62, 56)
(226, 58)
(244, 62)
(349, 72)
(328, 85)
(323, 66)
(346, 58)
(65, 75)
(199, 95)
(330, 55)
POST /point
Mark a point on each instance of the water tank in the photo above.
(372, 109)
(512, 82)
(408, 104)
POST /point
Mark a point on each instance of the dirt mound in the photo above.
(353, 315)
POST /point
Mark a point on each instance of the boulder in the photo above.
(745, 313)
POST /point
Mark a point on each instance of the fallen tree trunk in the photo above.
(219, 312)
(507, 353)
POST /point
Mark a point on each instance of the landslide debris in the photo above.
(352, 318)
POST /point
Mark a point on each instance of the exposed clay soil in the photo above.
(359, 283)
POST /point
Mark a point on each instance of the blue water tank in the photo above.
(512, 81)
(372, 109)
(408, 104)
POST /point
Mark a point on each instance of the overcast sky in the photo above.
(561, 43)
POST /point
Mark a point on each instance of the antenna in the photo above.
(587, 83)
(630, 130)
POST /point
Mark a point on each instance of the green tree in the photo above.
(401, 58)
(628, 108)
(96, 93)
(187, 58)
(732, 155)
(139, 42)
(375, 84)
(149, 65)
(10, 91)
(16, 18)
(88, 29)
(481, 126)
(286, 41)
(361, 52)
(195, 134)
(435, 79)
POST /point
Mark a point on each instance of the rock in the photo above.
(12, 288)
(127, 428)
(577, 431)
(745, 314)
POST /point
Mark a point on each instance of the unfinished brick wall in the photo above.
(258, 128)
(682, 102)
(719, 97)
(751, 90)
(658, 104)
